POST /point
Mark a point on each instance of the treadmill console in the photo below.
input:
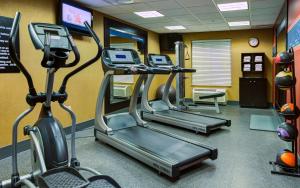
(164, 61)
(117, 56)
(58, 36)
(159, 60)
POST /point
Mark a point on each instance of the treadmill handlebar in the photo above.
(183, 70)
(160, 70)
(138, 69)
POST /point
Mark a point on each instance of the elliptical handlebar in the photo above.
(75, 51)
(88, 63)
(15, 59)
(46, 50)
(13, 53)
(93, 34)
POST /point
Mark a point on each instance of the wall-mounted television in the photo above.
(73, 16)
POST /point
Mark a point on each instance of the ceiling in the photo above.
(195, 15)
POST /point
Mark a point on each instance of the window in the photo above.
(212, 61)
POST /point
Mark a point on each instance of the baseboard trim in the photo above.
(238, 103)
(25, 145)
(233, 102)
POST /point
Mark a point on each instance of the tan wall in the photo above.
(13, 87)
(82, 89)
(239, 45)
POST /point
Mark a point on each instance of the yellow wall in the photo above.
(13, 87)
(240, 45)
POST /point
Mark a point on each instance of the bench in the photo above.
(190, 105)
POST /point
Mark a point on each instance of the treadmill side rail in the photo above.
(228, 121)
(213, 150)
(196, 126)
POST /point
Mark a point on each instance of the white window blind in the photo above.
(212, 61)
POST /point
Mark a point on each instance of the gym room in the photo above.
(150, 93)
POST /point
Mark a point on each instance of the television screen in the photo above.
(73, 17)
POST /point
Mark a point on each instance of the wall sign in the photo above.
(6, 66)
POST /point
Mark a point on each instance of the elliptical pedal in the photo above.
(64, 177)
(103, 182)
(68, 177)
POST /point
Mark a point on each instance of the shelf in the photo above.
(283, 63)
(251, 63)
(277, 169)
(290, 116)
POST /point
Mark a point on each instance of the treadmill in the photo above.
(127, 132)
(163, 111)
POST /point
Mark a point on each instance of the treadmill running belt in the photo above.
(192, 117)
(162, 145)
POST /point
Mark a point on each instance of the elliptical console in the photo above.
(55, 41)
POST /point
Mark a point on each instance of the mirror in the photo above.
(120, 35)
(122, 85)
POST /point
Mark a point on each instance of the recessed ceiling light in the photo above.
(233, 6)
(119, 2)
(149, 14)
(125, 1)
(240, 23)
(175, 27)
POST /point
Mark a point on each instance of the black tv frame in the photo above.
(73, 30)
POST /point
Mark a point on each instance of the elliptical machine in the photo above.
(51, 166)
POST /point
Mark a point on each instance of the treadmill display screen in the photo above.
(119, 56)
(159, 60)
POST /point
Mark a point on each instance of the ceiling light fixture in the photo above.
(233, 6)
(119, 2)
(239, 23)
(175, 27)
(149, 14)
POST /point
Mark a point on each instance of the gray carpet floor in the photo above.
(242, 161)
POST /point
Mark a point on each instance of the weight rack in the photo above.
(277, 169)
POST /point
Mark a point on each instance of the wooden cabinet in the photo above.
(253, 92)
